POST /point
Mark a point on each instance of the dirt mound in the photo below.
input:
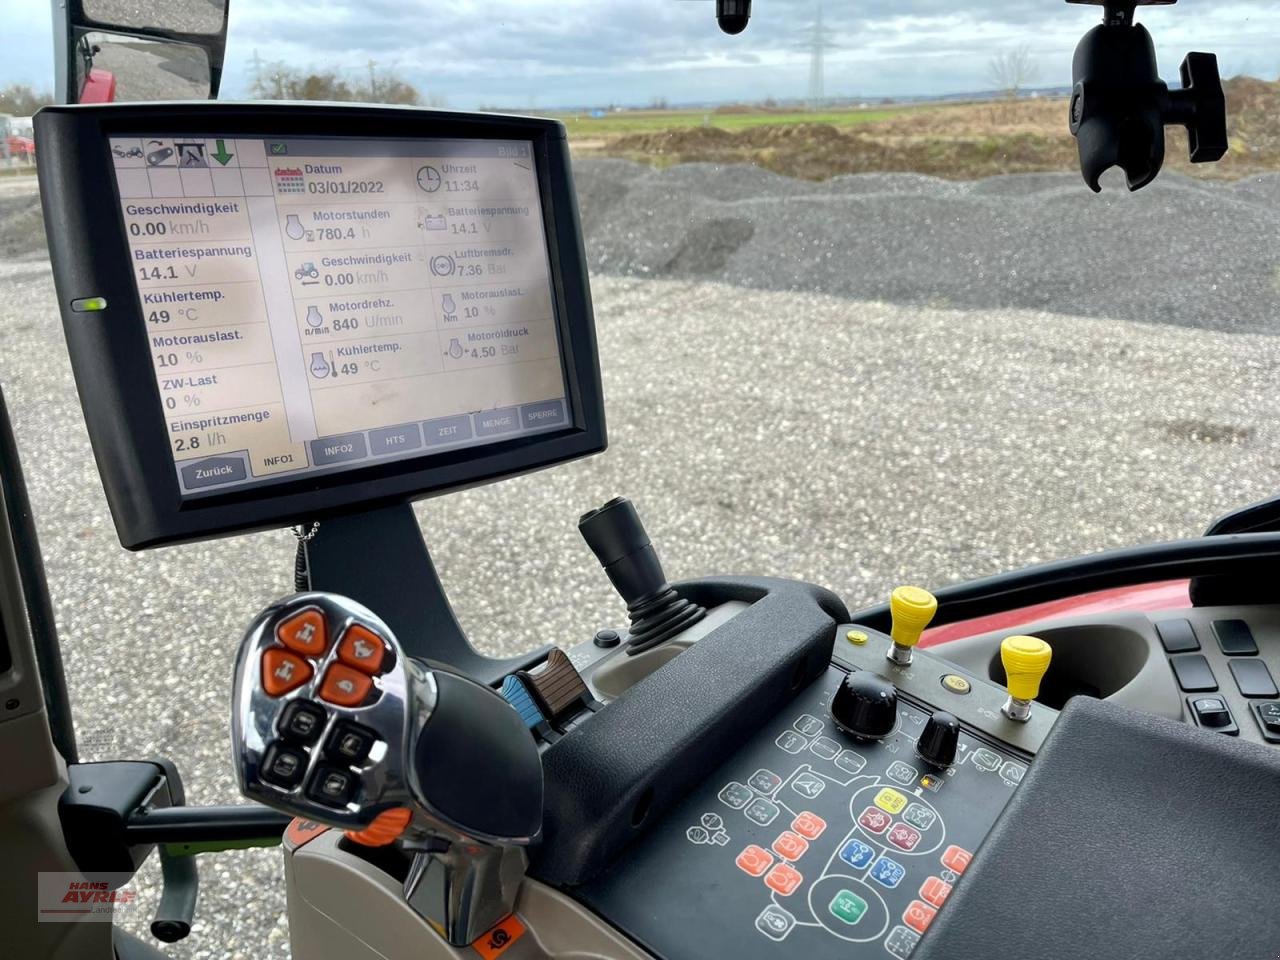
(684, 141)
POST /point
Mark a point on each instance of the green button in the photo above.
(848, 906)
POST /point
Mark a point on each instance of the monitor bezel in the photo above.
(110, 353)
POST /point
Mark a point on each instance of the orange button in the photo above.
(956, 858)
(283, 671)
(783, 879)
(495, 942)
(809, 825)
(790, 846)
(754, 860)
(362, 649)
(935, 891)
(300, 832)
(918, 916)
(386, 827)
(344, 686)
(305, 633)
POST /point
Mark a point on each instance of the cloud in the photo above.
(546, 53)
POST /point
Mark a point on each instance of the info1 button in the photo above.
(540, 416)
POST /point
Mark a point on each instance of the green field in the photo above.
(649, 121)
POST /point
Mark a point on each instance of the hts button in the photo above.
(362, 649)
(304, 633)
(302, 722)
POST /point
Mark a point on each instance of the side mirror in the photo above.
(146, 50)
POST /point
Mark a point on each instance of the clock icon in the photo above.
(429, 178)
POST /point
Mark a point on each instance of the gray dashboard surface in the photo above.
(1132, 836)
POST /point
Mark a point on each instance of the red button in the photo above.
(935, 890)
(783, 879)
(790, 846)
(918, 916)
(362, 649)
(875, 820)
(283, 671)
(956, 858)
(809, 825)
(754, 861)
(304, 633)
(904, 837)
(344, 686)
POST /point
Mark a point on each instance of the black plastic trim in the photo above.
(109, 350)
(173, 825)
(35, 588)
(609, 778)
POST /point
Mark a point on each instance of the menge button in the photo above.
(350, 446)
(502, 420)
(215, 470)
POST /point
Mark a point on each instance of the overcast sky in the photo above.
(546, 53)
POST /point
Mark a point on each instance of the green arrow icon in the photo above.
(221, 154)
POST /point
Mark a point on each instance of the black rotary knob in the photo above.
(939, 739)
(865, 705)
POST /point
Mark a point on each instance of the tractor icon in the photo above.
(307, 271)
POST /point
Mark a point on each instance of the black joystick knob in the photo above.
(618, 539)
(939, 739)
(865, 706)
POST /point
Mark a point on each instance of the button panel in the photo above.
(829, 846)
(303, 670)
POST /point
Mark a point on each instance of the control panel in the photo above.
(1224, 674)
(813, 838)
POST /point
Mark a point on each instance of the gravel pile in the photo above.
(1187, 252)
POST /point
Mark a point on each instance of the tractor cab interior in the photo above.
(372, 305)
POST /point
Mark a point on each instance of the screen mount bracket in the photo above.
(379, 558)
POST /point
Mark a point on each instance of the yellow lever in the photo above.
(1026, 661)
(912, 608)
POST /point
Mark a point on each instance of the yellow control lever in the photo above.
(912, 609)
(1026, 661)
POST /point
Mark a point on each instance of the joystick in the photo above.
(912, 608)
(333, 723)
(1026, 660)
(618, 539)
(865, 706)
(939, 740)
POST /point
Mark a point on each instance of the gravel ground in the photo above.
(1189, 252)
(852, 443)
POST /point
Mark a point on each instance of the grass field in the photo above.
(650, 121)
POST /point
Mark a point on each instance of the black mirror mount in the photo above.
(1120, 106)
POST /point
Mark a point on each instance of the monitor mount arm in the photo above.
(1120, 106)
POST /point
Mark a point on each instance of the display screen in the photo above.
(319, 305)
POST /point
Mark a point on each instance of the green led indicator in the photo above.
(89, 304)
